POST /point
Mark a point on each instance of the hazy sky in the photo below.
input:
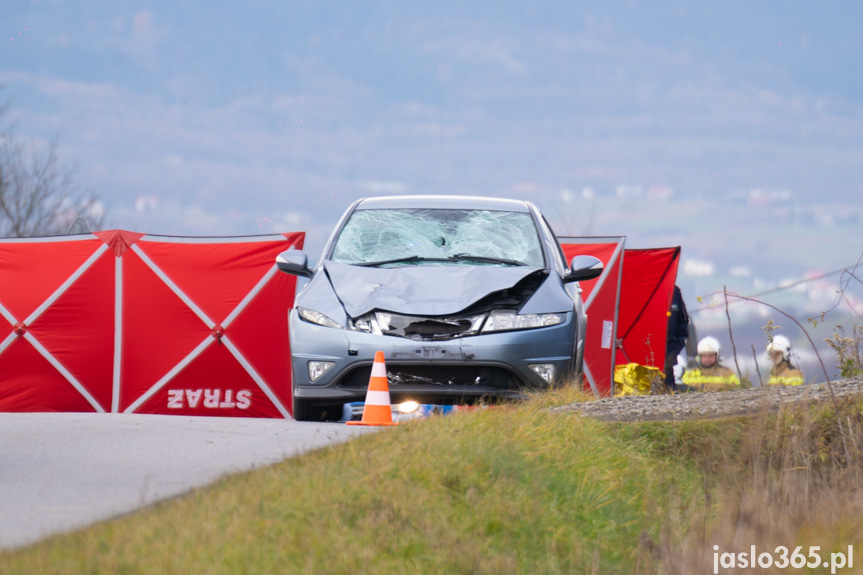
(240, 118)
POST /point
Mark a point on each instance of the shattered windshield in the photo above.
(414, 236)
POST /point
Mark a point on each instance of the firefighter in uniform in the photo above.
(710, 375)
(783, 371)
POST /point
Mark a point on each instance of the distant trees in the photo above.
(38, 196)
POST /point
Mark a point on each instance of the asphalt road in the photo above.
(62, 471)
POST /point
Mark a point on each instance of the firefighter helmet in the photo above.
(779, 343)
(708, 345)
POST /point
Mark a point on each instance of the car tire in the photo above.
(305, 411)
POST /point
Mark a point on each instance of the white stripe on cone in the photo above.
(379, 370)
(378, 398)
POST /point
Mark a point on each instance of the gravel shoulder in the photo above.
(709, 405)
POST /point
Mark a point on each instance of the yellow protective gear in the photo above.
(717, 377)
(784, 373)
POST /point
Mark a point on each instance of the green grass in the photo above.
(503, 490)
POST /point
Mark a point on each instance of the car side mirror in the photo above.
(583, 268)
(294, 262)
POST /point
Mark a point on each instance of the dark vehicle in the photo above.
(467, 297)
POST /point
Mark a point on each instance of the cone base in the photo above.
(371, 424)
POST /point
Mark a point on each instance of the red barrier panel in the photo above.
(601, 302)
(645, 299)
(639, 306)
(118, 321)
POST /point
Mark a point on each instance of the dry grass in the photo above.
(783, 480)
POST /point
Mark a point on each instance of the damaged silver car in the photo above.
(468, 298)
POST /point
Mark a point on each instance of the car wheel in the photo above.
(305, 411)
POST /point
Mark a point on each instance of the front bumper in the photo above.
(449, 371)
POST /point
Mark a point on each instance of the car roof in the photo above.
(443, 202)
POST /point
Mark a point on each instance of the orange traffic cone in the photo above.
(378, 410)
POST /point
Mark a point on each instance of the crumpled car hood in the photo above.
(419, 290)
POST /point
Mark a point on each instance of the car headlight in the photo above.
(366, 324)
(503, 320)
(317, 318)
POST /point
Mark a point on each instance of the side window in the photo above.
(557, 251)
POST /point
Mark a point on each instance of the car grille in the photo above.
(437, 376)
(428, 328)
(431, 329)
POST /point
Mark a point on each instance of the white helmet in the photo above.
(779, 343)
(708, 345)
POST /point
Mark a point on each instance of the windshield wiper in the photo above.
(462, 257)
(454, 257)
(399, 261)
